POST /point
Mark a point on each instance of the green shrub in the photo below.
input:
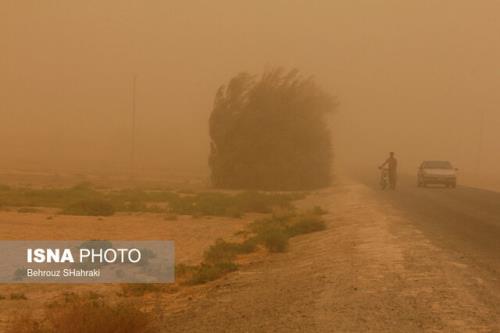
(305, 224)
(274, 232)
(275, 240)
(221, 252)
(206, 272)
(249, 245)
(182, 270)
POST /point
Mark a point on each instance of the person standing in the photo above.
(392, 166)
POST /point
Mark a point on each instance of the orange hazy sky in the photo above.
(415, 77)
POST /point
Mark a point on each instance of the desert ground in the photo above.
(376, 268)
(191, 236)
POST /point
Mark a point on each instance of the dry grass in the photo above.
(85, 315)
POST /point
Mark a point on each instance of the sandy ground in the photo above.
(191, 236)
(372, 270)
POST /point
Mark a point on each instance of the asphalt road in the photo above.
(465, 221)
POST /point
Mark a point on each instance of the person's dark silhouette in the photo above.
(392, 166)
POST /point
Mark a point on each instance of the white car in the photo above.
(437, 172)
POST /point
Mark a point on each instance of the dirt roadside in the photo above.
(370, 271)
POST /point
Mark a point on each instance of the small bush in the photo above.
(249, 245)
(275, 240)
(271, 232)
(182, 270)
(206, 272)
(306, 224)
(274, 232)
(91, 207)
(218, 261)
(221, 252)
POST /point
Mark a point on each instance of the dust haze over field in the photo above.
(412, 77)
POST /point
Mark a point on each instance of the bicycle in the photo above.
(384, 178)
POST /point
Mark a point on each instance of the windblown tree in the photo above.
(271, 133)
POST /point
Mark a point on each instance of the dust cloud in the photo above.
(416, 77)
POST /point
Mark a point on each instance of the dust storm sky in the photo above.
(415, 77)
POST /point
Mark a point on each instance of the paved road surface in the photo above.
(464, 220)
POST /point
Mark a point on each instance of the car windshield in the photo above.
(437, 165)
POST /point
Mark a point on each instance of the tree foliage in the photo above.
(271, 133)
